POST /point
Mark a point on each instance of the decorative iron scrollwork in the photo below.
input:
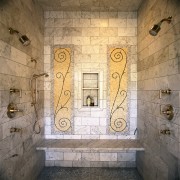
(62, 90)
(118, 93)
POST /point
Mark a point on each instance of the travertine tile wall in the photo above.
(91, 33)
(158, 68)
(18, 156)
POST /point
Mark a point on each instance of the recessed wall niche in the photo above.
(90, 89)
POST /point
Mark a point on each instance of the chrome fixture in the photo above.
(157, 27)
(22, 38)
(161, 91)
(34, 91)
(12, 130)
(168, 111)
(34, 95)
(165, 132)
(33, 60)
(11, 110)
(89, 101)
(39, 75)
(135, 131)
(13, 90)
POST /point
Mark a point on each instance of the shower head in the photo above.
(157, 27)
(22, 38)
(39, 75)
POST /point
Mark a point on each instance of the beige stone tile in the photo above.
(108, 15)
(131, 22)
(48, 40)
(54, 155)
(98, 130)
(49, 23)
(99, 40)
(123, 15)
(72, 156)
(47, 50)
(63, 163)
(127, 156)
(91, 156)
(72, 14)
(99, 22)
(49, 163)
(90, 31)
(85, 14)
(18, 56)
(5, 49)
(72, 137)
(132, 40)
(117, 23)
(81, 22)
(95, 14)
(90, 49)
(47, 130)
(129, 31)
(133, 76)
(108, 156)
(63, 22)
(53, 14)
(90, 121)
(108, 32)
(72, 31)
(82, 130)
(117, 40)
(81, 40)
(90, 136)
(49, 31)
(62, 40)
(47, 58)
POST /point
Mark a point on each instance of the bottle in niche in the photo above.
(88, 100)
(92, 101)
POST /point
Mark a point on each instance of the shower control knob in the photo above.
(11, 110)
(165, 132)
(168, 111)
(161, 91)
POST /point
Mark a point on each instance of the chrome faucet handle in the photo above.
(13, 90)
(165, 132)
(15, 130)
(161, 91)
(15, 110)
(167, 112)
(11, 110)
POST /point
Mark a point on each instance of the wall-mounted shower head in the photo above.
(157, 27)
(22, 38)
(39, 75)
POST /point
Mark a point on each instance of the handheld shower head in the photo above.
(157, 27)
(39, 75)
(22, 38)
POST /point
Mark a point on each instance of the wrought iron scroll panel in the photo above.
(62, 89)
(118, 89)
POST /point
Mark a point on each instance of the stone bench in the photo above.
(91, 153)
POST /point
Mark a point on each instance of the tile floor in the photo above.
(64, 173)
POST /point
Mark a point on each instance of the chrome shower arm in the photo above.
(169, 19)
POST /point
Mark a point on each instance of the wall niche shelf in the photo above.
(90, 89)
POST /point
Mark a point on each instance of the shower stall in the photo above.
(92, 85)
